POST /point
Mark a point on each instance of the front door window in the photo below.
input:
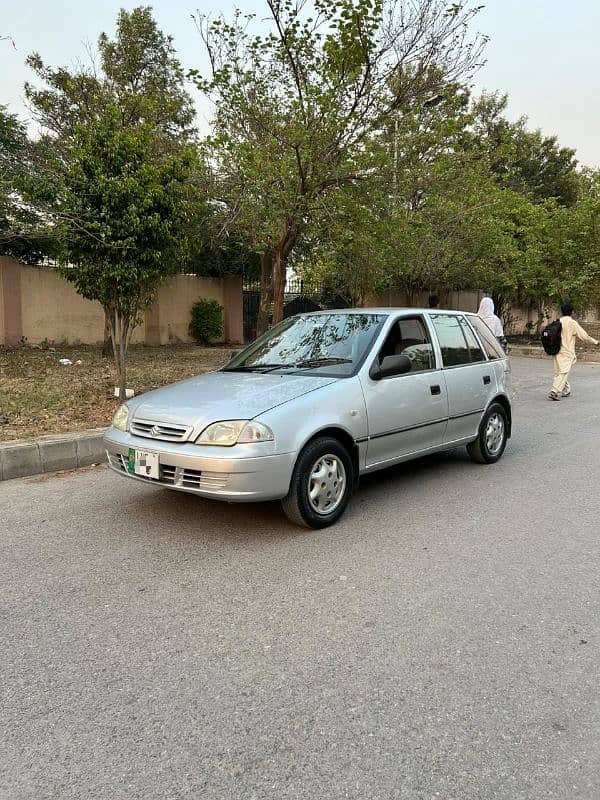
(409, 337)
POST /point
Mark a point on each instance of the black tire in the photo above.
(297, 505)
(481, 451)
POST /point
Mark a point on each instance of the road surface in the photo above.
(441, 641)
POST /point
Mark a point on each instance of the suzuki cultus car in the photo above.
(318, 401)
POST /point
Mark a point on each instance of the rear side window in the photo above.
(475, 351)
(457, 341)
(490, 343)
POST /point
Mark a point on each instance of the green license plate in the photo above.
(143, 462)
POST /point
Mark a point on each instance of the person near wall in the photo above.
(571, 330)
(486, 312)
(433, 301)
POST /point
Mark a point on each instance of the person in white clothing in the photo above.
(486, 312)
(563, 362)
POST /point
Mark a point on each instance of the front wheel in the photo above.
(321, 484)
(492, 437)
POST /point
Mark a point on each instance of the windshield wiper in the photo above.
(258, 367)
(309, 363)
(323, 362)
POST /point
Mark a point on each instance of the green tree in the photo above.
(13, 143)
(295, 107)
(431, 194)
(573, 253)
(346, 249)
(120, 216)
(139, 75)
(525, 160)
(22, 233)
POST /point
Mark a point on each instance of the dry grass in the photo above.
(39, 396)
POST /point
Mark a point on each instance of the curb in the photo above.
(19, 459)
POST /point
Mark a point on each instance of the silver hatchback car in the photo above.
(318, 401)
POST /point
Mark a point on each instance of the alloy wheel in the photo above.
(494, 434)
(326, 484)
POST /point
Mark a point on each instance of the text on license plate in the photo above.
(143, 462)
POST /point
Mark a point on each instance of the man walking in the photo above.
(563, 362)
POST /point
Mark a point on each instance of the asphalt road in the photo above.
(441, 641)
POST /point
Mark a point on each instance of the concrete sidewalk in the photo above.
(537, 351)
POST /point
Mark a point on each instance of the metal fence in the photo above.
(300, 296)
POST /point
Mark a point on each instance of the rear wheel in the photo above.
(321, 484)
(492, 437)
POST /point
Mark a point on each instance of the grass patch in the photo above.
(39, 396)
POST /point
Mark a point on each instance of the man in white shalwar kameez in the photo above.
(563, 362)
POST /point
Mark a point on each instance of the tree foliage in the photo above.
(22, 233)
(296, 106)
(121, 204)
(137, 72)
(523, 160)
(345, 143)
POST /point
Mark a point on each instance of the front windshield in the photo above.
(332, 344)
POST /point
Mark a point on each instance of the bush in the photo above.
(207, 321)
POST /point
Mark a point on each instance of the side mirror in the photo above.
(394, 365)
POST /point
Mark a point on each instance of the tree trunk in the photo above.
(119, 334)
(499, 303)
(279, 264)
(540, 317)
(122, 371)
(280, 256)
(107, 344)
(266, 292)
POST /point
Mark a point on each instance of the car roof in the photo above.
(387, 310)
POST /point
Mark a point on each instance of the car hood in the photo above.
(199, 401)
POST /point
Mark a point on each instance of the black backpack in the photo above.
(551, 336)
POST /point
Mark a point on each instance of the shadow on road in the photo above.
(182, 515)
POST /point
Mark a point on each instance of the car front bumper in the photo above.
(223, 473)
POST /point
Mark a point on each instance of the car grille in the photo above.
(160, 430)
(177, 476)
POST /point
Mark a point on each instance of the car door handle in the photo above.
(436, 390)
(487, 379)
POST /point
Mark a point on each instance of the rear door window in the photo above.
(458, 343)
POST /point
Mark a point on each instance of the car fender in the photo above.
(339, 405)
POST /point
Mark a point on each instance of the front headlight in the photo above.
(120, 418)
(235, 431)
(255, 432)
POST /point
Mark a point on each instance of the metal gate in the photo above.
(300, 297)
(251, 299)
